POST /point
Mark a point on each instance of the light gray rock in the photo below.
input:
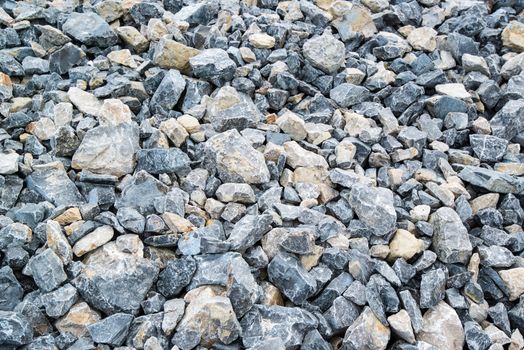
(450, 237)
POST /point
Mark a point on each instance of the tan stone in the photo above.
(262, 41)
(456, 90)
(93, 240)
(77, 319)
(442, 328)
(85, 102)
(513, 36)
(171, 54)
(190, 123)
(20, 103)
(114, 112)
(488, 200)
(401, 325)
(404, 245)
(247, 54)
(174, 131)
(423, 38)
(132, 37)
(270, 295)
(514, 280)
(177, 223)
(122, 57)
(69, 216)
(311, 260)
(293, 125)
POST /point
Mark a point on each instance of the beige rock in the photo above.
(400, 323)
(235, 192)
(43, 128)
(345, 153)
(299, 157)
(57, 241)
(354, 76)
(190, 123)
(376, 5)
(517, 341)
(423, 38)
(85, 102)
(513, 36)
(114, 112)
(456, 90)
(77, 319)
(262, 41)
(404, 245)
(380, 251)
(69, 216)
(211, 318)
(442, 328)
(311, 260)
(357, 19)
(270, 294)
(293, 125)
(177, 223)
(171, 54)
(513, 168)
(6, 86)
(132, 37)
(355, 123)
(20, 103)
(367, 332)
(318, 133)
(93, 240)
(481, 126)
(63, 114)
(247, 54)
(420, 213)
(488, 200)
(174, 131)
(122, 57)
(514, 280)
(8, 163)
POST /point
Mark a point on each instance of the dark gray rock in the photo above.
(249, 230)
(65, 58)
(90, 29)
(288, 275)
(403, 97)
(475, 336)
(11, 291)
(347, 95)
(52, 183)
(131, 219)
(267, 321)
(491, 180)
(176, 275)
(213, 65)
(10, 66)
(488, 148)
(432, 288)
(168, 92)
(162, 160)
(47, 270)
(509, 120)
(111, 330)
(15, 329)
(58, 302)
(141, 193)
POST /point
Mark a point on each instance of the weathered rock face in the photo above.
(230, 109)
(442, 328)
(288, 324)
(15, 329)
(374, 207)
(207, 320)
(89, 28)
(450, 237)
(325, 52)
(236, 160)
(366, 333)
(51, 182)
(115, 281)
(108, 150)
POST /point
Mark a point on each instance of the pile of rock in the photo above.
(243, 174)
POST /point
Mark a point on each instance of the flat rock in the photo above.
(491, 180)
(90, 29)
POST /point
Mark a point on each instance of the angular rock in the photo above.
(491, 180)
(213, 65)
(15, 329)
(366, 333)
(230, 109)
(168, 92)
(111, 330)
(47, 270)
(442, 328)
(450, 237)
(52, 183)
(324, 52)
(90, 29)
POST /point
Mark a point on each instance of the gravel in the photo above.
(260, 174)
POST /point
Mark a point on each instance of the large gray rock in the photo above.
(10, 290)
(90, 29)
(288, 275)
(111, 330)
(450, 237)
(47, 270)
(51, 182)
(231, 271)
(163, 160)
(488, 148)
(168, 92)
(492, 180)
(141, 193)
(230, 109)
(509, 120)
(108, 150)
(374, 206)
(325, 52)
(112, 280)
(290, 324)
(213, 65)
(15, 329)
(235, 159)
